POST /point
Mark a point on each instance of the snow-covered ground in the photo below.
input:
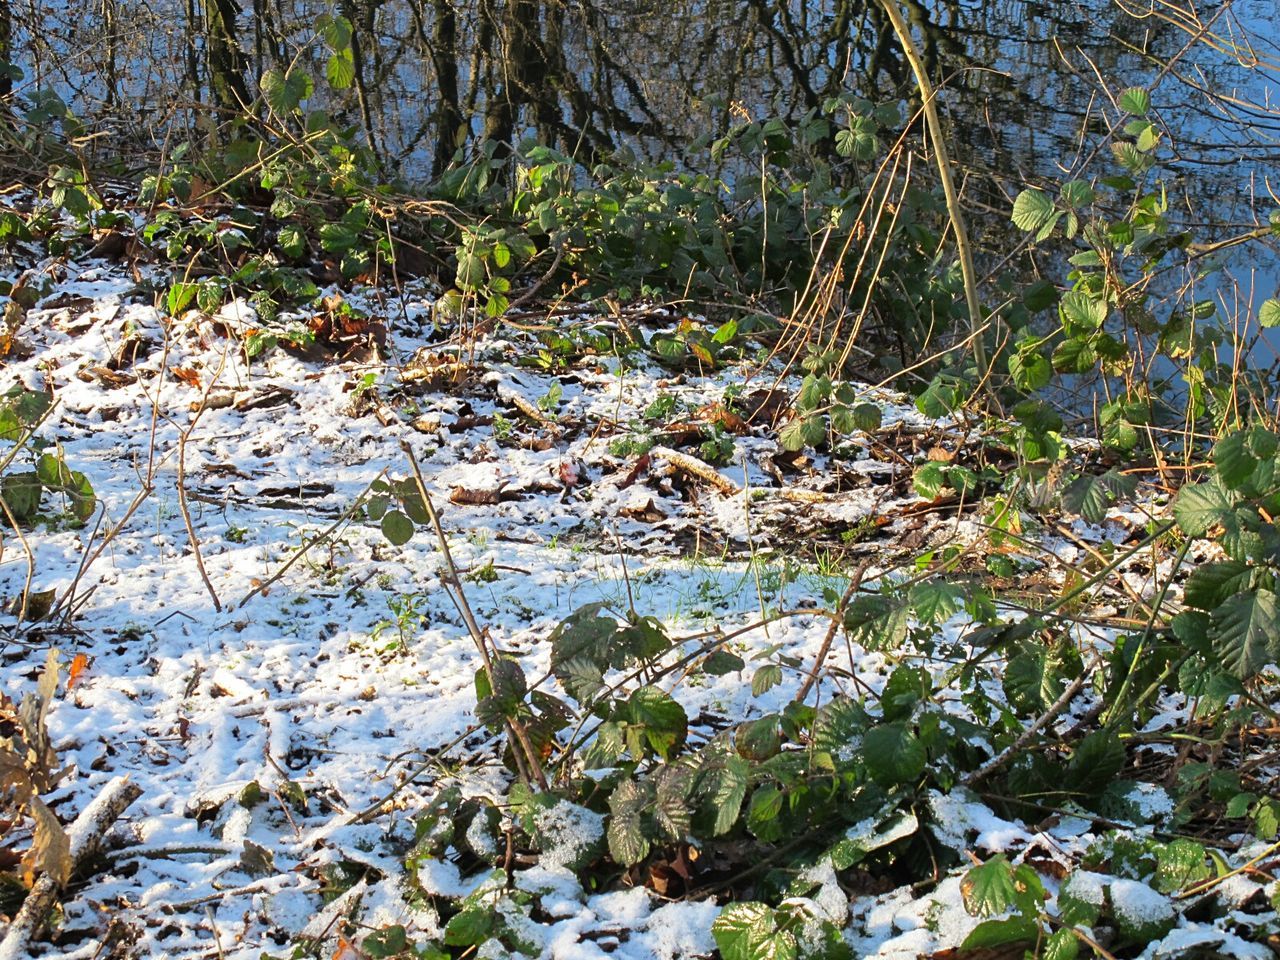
(262, 713)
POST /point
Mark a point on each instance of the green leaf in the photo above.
(1088, 497)
(284, 92)
(1202, 506)
(469, 927)
(988, 889)
(1030, 369)
(1032, 209)
(722, 662)
(1076, 194)
(180, 296)
(935, 601)
(877, 622)
(1135, 101)
(728, 790)
(397, 528)
(1246, 632)
(998, 933)
(1081, 899)
(1233, 461)
(893, 754)
(765, 678)
(1212, 584)
(1074, 356)
(929, 479)
(1179, 864)
(1097, 759)
(664, 720)
(292, 242)
(340, 71)
(1150, 917)
(627, 843)
(1266, 818)
(1031, 681)
(1062, 945)
(748, 931)
(21, 492)
(1269, 313)
(1082, 313)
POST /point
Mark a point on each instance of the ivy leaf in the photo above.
(1246, 632)
(893, 754)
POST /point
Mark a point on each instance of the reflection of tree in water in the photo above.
(590, 76)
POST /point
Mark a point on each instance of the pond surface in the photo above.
(1026, 85)
(1021, 78)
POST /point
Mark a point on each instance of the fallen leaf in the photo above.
(187, 375)
(638, 468)
(79, 664)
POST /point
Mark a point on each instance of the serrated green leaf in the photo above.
(1135, 101)
(989, 889)
(1246, 632)
(893, 754)
(1269, 313)
(1202, 506)
(1032, 209)
(765, 678)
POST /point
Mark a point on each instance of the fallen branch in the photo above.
(86, 837)
(699, 468)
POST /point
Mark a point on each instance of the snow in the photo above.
(1138, 903)
(280, 683)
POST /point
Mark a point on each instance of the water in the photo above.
(1022, 81)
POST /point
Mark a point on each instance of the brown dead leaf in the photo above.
(640, 467)
(941, 455)
(647, 513)
(187, 375)
(721, 416)
(466, 496)
(50, 851)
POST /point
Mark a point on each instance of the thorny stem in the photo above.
(530, 765)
